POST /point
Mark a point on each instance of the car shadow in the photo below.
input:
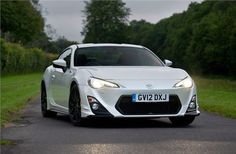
(126, 123)
(121, 122)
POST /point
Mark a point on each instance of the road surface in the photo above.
(36, 135)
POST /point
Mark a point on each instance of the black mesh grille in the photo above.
(126, 107)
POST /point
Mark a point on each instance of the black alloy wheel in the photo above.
(45, 112)
(74, 106)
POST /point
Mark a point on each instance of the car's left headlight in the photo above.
(185, 83)
(99, 83)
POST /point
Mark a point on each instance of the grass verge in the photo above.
(217, 95)
(16, 90)
(7, 142)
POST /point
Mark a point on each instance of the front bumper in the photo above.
(110, 99)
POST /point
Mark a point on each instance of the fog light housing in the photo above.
(193, 99)
(91, 100)
(193, 104)
(97, 107)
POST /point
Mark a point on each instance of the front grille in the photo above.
(126, 107)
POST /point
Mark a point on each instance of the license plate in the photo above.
(150, 97)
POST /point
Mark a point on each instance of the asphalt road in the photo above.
(36, 135)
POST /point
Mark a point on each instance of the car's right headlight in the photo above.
(99, 83)
(185, 83)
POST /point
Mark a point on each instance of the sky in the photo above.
(66, 16)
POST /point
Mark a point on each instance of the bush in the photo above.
(17, 59)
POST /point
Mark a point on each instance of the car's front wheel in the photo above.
(182, 121)
(44, 110)
(74, 106)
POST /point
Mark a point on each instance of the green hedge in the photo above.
(18, 59)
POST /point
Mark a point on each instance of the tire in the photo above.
(74, 106)
(45, 112)
(182, 121)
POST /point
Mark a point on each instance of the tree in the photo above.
(106, 21)
(139, 32)
(200, 39)
(58, 45)
(21, 21)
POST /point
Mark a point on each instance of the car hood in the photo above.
(137, 72)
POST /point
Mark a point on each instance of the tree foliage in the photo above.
(201, 39)
(139, 31)
(21, 22)
(106, 21)
(58, 45)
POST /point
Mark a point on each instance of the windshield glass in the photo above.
(115, 56)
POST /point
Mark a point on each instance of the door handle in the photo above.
(53, 76)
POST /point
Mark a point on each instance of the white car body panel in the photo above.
(131, 79)
(137, 72)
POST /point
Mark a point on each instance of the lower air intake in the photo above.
(126, 107)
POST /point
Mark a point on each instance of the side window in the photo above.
(66, 55)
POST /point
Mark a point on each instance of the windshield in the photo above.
(115, 56)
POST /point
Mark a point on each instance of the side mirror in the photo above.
(168, 62)
(59, 63)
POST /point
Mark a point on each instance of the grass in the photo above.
(6, 142)
(217, 95)
(16, 90)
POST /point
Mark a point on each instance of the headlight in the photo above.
(185, 83)
(99, 83)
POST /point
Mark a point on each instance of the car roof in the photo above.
(107, 44)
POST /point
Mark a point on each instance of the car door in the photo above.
(61, 81)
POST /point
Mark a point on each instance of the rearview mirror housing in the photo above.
(168, 62)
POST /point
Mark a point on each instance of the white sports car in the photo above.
(117, 80)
